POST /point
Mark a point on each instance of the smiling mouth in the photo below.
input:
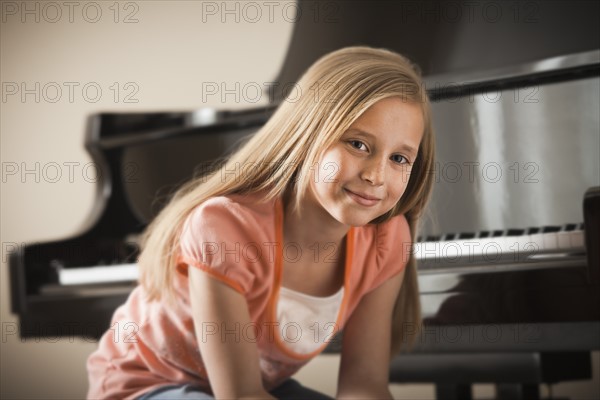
(363, 201)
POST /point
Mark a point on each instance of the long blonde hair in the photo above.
(328, 98)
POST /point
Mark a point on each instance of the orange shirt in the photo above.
(238, 240)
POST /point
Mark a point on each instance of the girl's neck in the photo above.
(315, 226)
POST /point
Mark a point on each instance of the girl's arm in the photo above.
(231, 361)
(365, 363)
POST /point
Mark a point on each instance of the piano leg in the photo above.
(512, 391)
(453, 391)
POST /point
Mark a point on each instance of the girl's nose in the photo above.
(373, 172)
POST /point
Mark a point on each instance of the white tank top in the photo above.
(307, 322)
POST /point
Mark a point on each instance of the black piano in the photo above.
(508, 254)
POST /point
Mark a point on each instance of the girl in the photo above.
(306, 230)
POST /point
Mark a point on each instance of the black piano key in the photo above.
(532, 230)
(514, 232)
(466, 235)
(497, 233)
(483, 234)
(551, 228)
(569, 227)
(433, 238)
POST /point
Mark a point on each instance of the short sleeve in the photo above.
(394, 246)
(219, 237)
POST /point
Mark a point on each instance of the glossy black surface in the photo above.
(46, 308)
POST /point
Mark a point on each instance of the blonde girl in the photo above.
(305, 231)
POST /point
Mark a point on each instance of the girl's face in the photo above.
(364, 174)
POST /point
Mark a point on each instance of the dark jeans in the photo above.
(289, 390)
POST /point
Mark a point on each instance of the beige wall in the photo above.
(161, 57)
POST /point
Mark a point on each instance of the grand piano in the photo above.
(508, 252)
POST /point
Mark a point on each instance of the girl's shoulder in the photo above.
(230, 237)
(235, 212)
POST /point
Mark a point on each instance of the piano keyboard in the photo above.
(533, 245)
(98, 274)
(513, 248)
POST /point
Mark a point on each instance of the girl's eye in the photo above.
(357, 144)
(399, 159)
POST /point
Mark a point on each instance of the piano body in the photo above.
(508, 252)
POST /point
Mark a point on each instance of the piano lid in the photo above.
(142, 158)
(442, 37)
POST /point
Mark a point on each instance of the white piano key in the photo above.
(502, 243)
(530, 245)
(577, 239)
(550, 241)
(488, 248)
(518, 246)
(538, 240)
(563, 239)
(470, 248)
(428, 250)
(451, 250)
(99, 274)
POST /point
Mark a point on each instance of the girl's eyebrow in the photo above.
(406, 147)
